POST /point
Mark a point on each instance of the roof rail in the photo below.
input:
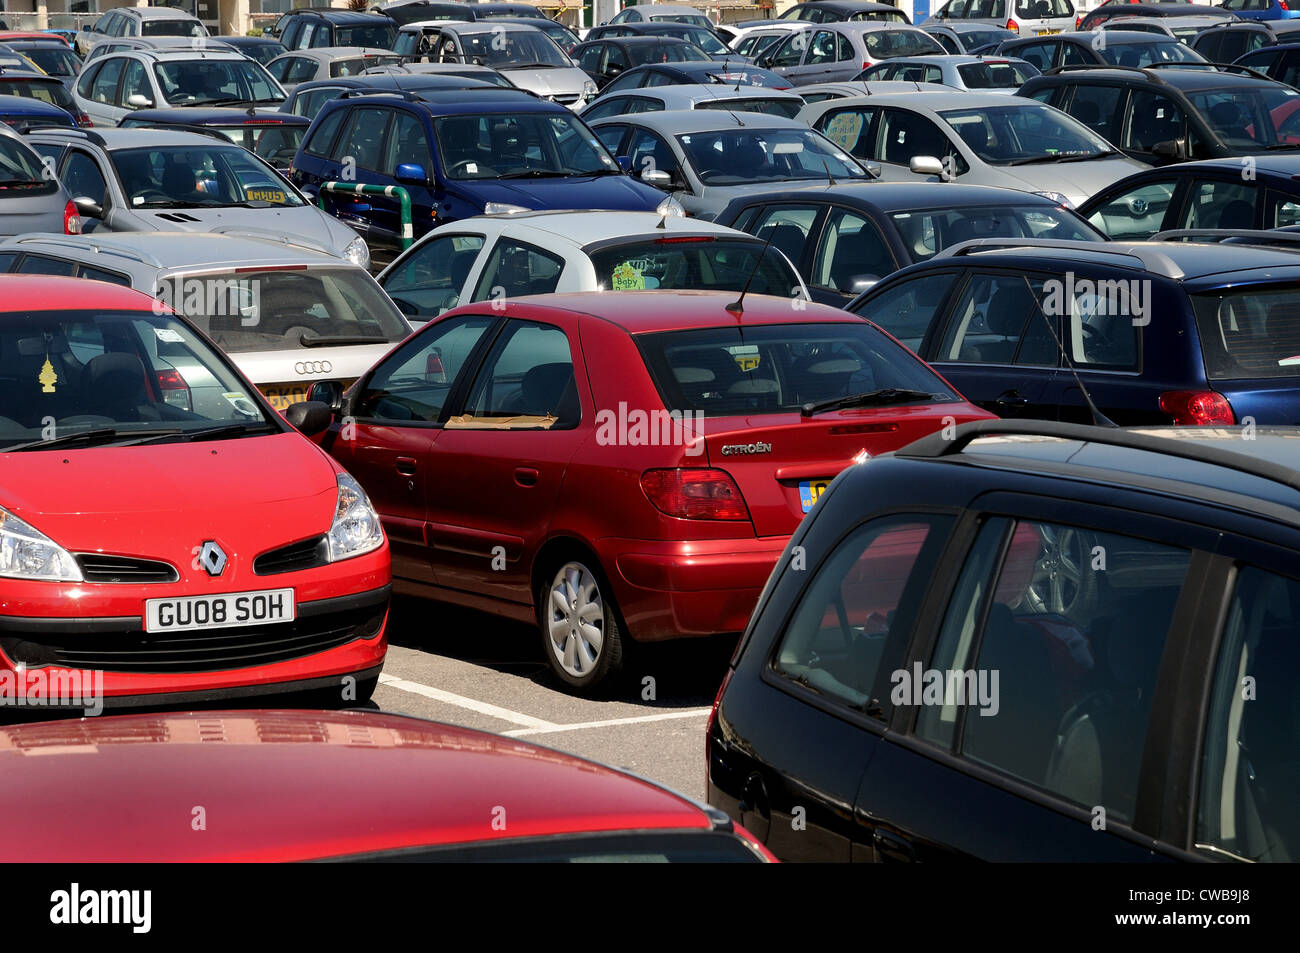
(81, 131)
(938, 445)
(90, 243)
(1140, 256)
(1084, 67)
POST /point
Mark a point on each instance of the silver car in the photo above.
(1026, 17)
(820, 92)
(749, 99)
(975, 138)
(31, 200)
(287, 314)
(829, 52)
(707, 158)
(985, 74)
(327, 62)
(140, 21)
(156, 180)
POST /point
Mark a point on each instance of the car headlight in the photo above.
(589, 89)
(27, 553)
(358, 253)
(356, 528)
(502, 208)
(1057, 197)
(670, 206)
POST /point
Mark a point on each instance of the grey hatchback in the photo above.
(31, 198)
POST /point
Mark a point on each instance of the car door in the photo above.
(135, 82)
(513, 268)
(361, 147)
(431, 278)
(850, 256)
(83, 177)
(1136, 212)
(1099, 106)
(588, 60)
(1219, 202)
(790, 227)
(856, 130)
(818, 64)
(648, 152)
(1153, 127)
(911, 309)
(1037, 698)
(786, 56)
(905, 135)
(405, 150)
(1042, 55)
(101, 105)
(396, 416)
(497, 466)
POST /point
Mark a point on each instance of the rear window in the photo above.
(704, 264)
(974, 39)
(57, 61)
(356, 65)
(277, 143)
(730, 371)
(885, 43)
(177, 27)
(47, 91)
(20, 171)
(768, 107)
(996, 75)
(378, 36)
(926, 233)
(1043, 9)
(1250, 332)
(678, 51)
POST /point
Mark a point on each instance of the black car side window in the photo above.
(322, 134)
(413, 384)
(1097, 107)
(994, 314)
(907, 309)
(849, 630)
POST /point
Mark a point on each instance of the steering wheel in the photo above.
(488, 171)
(150, 195)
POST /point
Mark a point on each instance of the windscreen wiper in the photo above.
(98, 435)
(1050, 157)
(319, 341)
(885, 395)
(219, 432)
(1089, 155)
(536, 174)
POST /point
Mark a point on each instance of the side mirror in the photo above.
(88, 207)
(613, 71)
(309, 417)
(138, 101)
(927, 165)
(328, 394)
(657, 177)
(1170, 149)
(412, 173)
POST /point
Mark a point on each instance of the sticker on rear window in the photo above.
(168, 336)
(626, 277)
(241, 403)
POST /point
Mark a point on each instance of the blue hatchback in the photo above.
(458, 154)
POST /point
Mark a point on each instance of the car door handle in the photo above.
(893, 847)
(526, 476)
(405, 466)
(1011, 399)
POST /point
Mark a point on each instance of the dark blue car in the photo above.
(1157, 333)
(459, 154)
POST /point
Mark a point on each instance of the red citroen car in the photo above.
(166, 536)
(300, 785)
(617, 465)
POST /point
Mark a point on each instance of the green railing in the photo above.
(392, 191)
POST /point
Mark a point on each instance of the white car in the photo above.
(495, 257)
(753, 40)
(750, 99)
(984, 74)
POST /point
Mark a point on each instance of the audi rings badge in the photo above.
(314, 367)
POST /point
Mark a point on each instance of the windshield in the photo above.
(1253, 117)
(128, 371)
(705, 263)
(1249, 333)
(55, 60)
(1006, 134)
(526, 145)
(20, 171)
(973, 39)
(693, 19)
(359, 64)
(669, 51)
(254, 310)
(513, 48)
(1166, 50)
(199, 176)
(47, 91)
(890, 16)
(196, 82)
(172, 27)
(277, 143)
(882, 44)
(788, 108)
(378, 35)
(706, 40)
(995, 75)
(262, 52)
(1041, 9)
(927, 233)
(773, 369)
(738, 156)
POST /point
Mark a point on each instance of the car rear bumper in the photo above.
(669, 590)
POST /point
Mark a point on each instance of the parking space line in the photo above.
(608, 723)
(483, 708)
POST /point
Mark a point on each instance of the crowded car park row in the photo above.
(955, 390)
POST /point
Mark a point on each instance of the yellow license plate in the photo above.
(282, 396)
(274, 196)
(1046, 32)
(810, 491)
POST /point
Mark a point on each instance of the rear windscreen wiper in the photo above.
(318, 341)
(885, 395)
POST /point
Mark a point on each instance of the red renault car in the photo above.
(167, 536)
(616, 465)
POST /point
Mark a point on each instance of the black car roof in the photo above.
(1189, 79)
(343, 16)
(901, 196)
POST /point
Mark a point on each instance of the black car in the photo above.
(301, 29)
(605, 60)
(844, 240)
(260, 48)
(832, 11)
(959, 36)
(1228, 41)
(1280, 62)
(1028, 642)
(1250, 192)
(423, 10)
(1110, 11)
(306, 99)
(1102, 48)
(706, 40)
(1172, 114)
(734, 73)
(1171, 333)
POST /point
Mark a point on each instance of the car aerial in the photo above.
(306, 99)
(703, 71)
(706, 40)
(260, 764)
(47, 89)
(1261, 10)
(835, 11)
(975, 138)
(662, 13)
(159, 180)
(606, 59)
(1110, 11)
(138, 593)
(269, 133)
(523, 54)
(964, 36)
(1100, 48)
(260, 48)
(53, 56)
(112, 86)
(1175, 333)
(695, 96)
(143, 21)
(1025, 17)
(504, 418)
(303, 66)
(287, 313)
(820, 92)
(1210, 194)
(459, 155)
(22, 113)
(31, 200)
(840, 51)
(302, 29)
(1162, 116)
(986, 74)
(973, 554)
(706, 158)
(1227, 40)
(493, 257)
(753, 40)
(845, 239)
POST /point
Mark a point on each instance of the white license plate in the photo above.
(222, 611)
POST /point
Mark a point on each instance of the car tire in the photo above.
(582, 637)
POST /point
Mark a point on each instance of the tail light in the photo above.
(1282, 4)
(174, 389)
(434, 372)
(708, 730)
(1078, 22)
(1197, 408)
(71, 219)
(1012, 25)
(83, 119)
(695, 494)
